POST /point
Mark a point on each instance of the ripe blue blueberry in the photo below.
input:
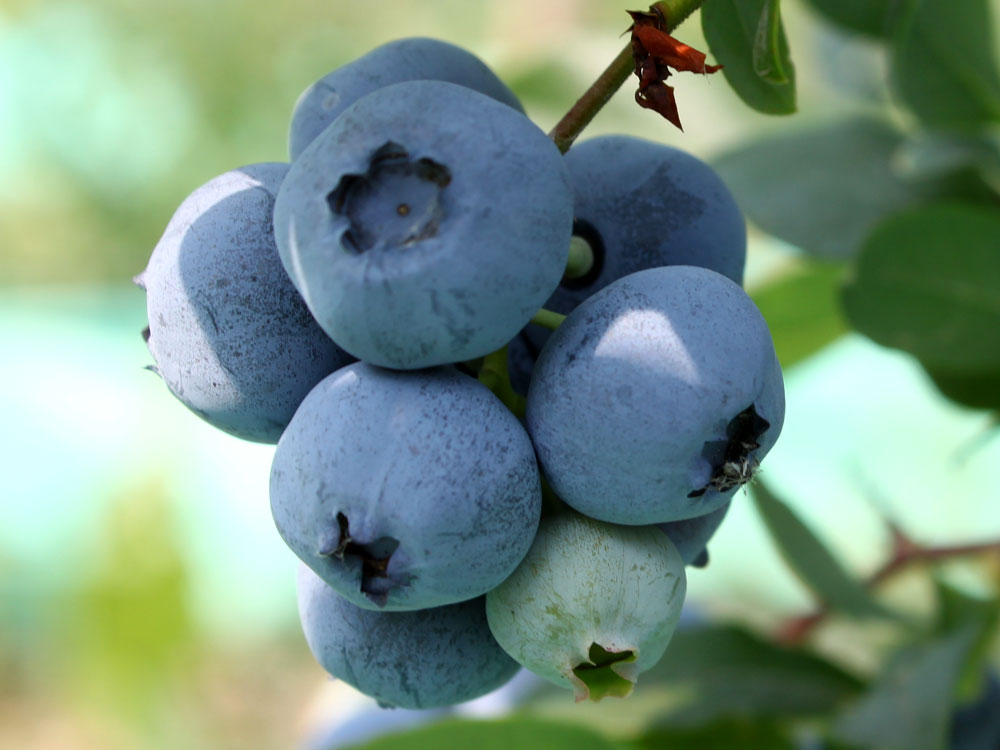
(643, 204)
(411, 59)
(406, 490)
(690, 535)
(421, 659)
(426, 225)
(229, 334)
(656, 398)
(592, 605)
(640, 204)
(975, 725)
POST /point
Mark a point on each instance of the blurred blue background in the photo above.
(145, 597)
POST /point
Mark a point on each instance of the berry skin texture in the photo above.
(656, 398)
(426, 225)
(422, 659)
(692, 534)
(410, 59)
(406, 490)
(640, 205)
(592, 605)
(651, 205)
(229, 334)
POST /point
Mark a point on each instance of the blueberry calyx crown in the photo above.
(599, 676)
(396, 203)
(374, 558)
(737, 465)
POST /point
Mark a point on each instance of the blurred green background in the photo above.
(145, 597)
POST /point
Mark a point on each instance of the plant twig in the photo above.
(906, 552)
(595, 97)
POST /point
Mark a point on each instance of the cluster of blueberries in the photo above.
(350, 306)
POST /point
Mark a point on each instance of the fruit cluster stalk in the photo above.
(595, 97)
(796, 629)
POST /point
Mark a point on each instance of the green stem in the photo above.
(548, 319)
(494, 375)
(676, 11)
(595, 97)
(580, 260)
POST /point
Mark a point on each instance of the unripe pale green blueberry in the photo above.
(592, 605)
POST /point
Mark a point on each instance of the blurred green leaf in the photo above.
(870, 17)
(956, 609)
(803, 311)
(759, 735)
(810, 559)
(828, 208)
(979, 391)
(130, 630)
(725, 671)
(549, 83)
(520, 733)
(940, 153)
(943, 64)
(767, 48)
(927, 282)
(909, 707)
(747, 37)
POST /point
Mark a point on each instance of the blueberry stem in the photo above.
(494, 375)
(548, 319)
(595, 97)
(581, 258)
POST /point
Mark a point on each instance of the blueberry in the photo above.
(690, 535)
(645, 204)
(229, 333)
(640, 204)
(411, 59)
(421, 659)
(656, 398)
(426, 225)
(975, 725)
(406, 490)
(592, 605)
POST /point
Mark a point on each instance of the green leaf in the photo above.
(870, 17)
(733, 733)
(979, 391)
(828, 208)
(811, 561)
(757, 65)
(927, 282)
(767, 62)
(909, 707)
(803, 311)
(520, 733)
(725, 671)
(938, 153)
(544, 85)
(943, 65)
(956, 609)
(132, 613)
